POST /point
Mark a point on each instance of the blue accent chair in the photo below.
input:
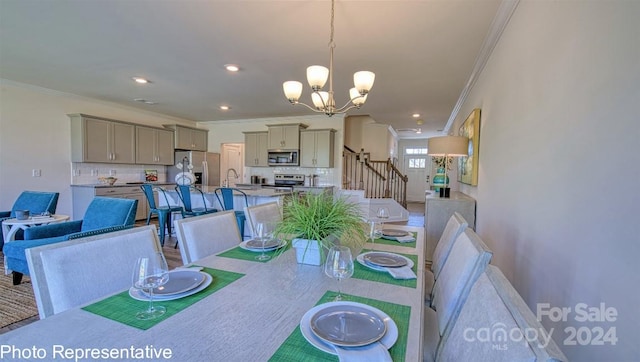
(104, 214)
(184, 192)
(36, 202)
(225, 197)
(164, 212)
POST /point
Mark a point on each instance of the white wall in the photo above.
(558, 193)
(35, 134)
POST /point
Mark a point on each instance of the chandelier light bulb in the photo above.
(292, 90)
(356, 98)
(320, 99)
(317, 76)
(363, 81)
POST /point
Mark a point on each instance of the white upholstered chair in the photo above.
(205, 235)
(72, 273)
(269, 212)
(467, 260)
(455, 225)
(494, 304)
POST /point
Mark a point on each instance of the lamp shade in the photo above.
(448, 146)
(317, 76)
(292, 90)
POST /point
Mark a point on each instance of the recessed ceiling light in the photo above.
(416, 115)
(225, 108)
(419, 121)
(141, 80)
(232, 67)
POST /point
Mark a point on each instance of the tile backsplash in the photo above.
(88, 173)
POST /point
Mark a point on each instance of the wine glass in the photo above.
(383, 213)
(339, 265)
(375, 231)
(263, 234)
(149, 273)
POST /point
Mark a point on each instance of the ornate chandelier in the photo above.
(317, 77)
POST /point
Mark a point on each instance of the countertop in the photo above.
(99, 185)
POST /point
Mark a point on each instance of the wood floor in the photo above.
(172, 254)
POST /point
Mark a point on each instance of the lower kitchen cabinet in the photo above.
(83, 194)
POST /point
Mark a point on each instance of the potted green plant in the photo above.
(314, 222)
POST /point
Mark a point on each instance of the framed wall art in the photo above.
(468, 165)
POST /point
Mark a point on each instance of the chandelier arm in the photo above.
(308, 106)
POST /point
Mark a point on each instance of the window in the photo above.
(417, 163)
(416, 151)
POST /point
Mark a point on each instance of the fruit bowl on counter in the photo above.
(107, 180)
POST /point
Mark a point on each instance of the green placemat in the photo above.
(122, 308)
(411, 244)
(296, 347)
(242, 254)
(362, 272)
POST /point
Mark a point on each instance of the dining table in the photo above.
(251, 311)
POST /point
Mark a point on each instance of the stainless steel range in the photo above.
(281, 179)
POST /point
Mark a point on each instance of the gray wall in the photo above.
(558, 192)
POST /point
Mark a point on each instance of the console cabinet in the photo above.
(316, 148)
(437, 212)
(154, 146)
(96, 139)
(255, 149)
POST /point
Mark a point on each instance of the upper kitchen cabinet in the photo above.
(95, 139)
(316, 148)
(154, 146)
(255, 149)
(191, 139)
(285, 136)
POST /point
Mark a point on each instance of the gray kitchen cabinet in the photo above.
(437, 212)
(154, 146)
(316, 148)
(83, 194)
(190, 139)
(95, 139)
(255, 149)
(285, 136)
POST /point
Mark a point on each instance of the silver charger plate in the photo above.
(395, 233)
(257, 244)
(278, 244)
(386, 260)
(138, 294)
(360, 259)
(180, 281)
(348, 326)
(388, 340)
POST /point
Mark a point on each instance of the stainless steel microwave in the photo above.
(284, 158)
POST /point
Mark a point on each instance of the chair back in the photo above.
(109, 211)
(205, 235)
(494, 304)
(468, 259)
(225, 197)
(36, 202)
(269, 212)
(456, 225)
(72, 273)
(148, 193)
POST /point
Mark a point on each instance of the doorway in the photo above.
(231, 157)
(417, 166)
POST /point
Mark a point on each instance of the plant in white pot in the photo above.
(314, 222)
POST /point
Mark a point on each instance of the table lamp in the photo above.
(447, 146)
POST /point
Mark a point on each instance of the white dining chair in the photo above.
(72, 273)
(270, 212)
(205, 235)
(454, 227)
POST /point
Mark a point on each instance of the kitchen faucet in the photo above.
(235, 174)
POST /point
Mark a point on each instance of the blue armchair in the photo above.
(35, 201)
(104, 214)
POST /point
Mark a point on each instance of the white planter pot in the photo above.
(308, 251)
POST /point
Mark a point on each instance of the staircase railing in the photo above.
(378, 179)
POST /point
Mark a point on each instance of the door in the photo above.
(232, 158)
(416, 167)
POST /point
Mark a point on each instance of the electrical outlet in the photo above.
(112, 172)
(36, 172)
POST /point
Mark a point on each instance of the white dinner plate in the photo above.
(388, 340)
(180, 281)
(138, 294)
(348, 326)
(280, 244)
(361, 260)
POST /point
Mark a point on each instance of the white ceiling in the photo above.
(422, 53)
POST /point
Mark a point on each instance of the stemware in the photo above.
(383, 213)
(149, 273)
(339, 265)
(375, 231)
(263, 234)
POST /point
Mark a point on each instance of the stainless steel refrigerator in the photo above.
(206, 167)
